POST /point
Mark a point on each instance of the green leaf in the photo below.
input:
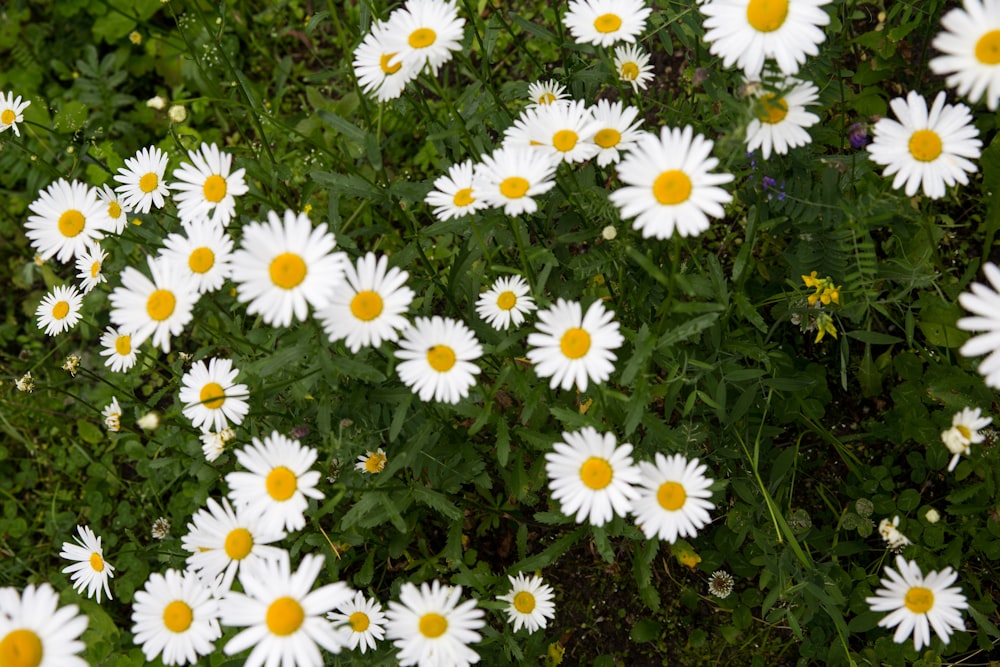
(645, 630)
(70, 117)
(688, 329)
(437, 501)
(89, 432)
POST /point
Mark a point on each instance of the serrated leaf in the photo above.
(437, 501)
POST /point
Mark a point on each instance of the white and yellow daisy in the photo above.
(918, 603)
(372, 462)
(158, 307)
(604, 22)
(511, 177)
(88, 267)
(437, 356)
(617, 130)
(89, 570)
(204, 251)
(66, 218)
(430, 627)
(746, 32)
(59, 310)
(36, 632)
(379, 70)
(926, 149)
(12, 112)
(369, 306)
(529, 602)
(213, 443)
(212, 399)
(894, 538)
(970, 48)
(112, 414)
(425, 33)
(116, 345)
(363, 619)
(563, 131)
(285, 265)
(176, 617)
(984, 303)
(780, 118)
(117, 210)
(545, 92)
(669, 185)
(142, 185)
(208, 187)
(453, 196)
(673, 498)
(573, 348)
(506, 302)
(282, 615)
(278, 481)
(632, 65)
(965, 431)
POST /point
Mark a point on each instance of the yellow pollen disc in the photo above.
(71, 223)
(212, 395)
(215, 188)
(281, 483)
(919, 600)
(375, 462)
(288, 270)
(7, 117)
(421, 38)
(433, 625)
(564, 140)
(285, 616)
(547, 98)
(60, 310)
(177, 616)
(95, 269)
(629, 71)
(148, 182)
(239, 543)
(767, 15)
(384, 63)
(672, 187)
(441, 358)
(201, 260)
(161, 304)
(366, 305)
(575, 343)
(671, 496)
(773, 109)
(96, 562)
(114, 210)
(514, 187)
(964, 430)
(506, 300)
(359, 621)
(607, 138)
(123, 345)
(524, 602)
(607, 23)
(596, 473)
(463, 197)
(987, 48)
(925, 145)
(21, 648)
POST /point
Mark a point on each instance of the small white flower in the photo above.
(506, 302)
(90, 570)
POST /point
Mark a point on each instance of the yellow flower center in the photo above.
(463, 197)
(114, 210)
(919, 600)
(925, 145)
(359, 621)
(441, 358)
(433, 625)
(421, 38)
(524, 602)
(201, 260)
(606, 23)
(239, 543)
(177, 616)
(60, 310)
(7, 117)
(366, 305)
(383, 62)
(772, 109)
(95, 269)
(71, 223)
(161, 304)
(285, 616)
(964, 430)
(288, 270)
(123, 345)
(987, 48)
(514, 187)
(506, 300)
(215, 188)
(546, 98)
(21, 648)
(212, 395)
(629, 71)
(672, 187)
(148, 182)
(607, 138)
(281, 483)
(375, 462)
(96, 562)
(575, 343)
(671, 496)
(564, 140)
(596, 473)
(767, 15)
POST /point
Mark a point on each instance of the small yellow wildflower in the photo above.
(824, 325)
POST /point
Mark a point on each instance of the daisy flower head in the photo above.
(437, 356)
(669, 184)
(918, 603)
(506, 302)
(116, 345)
(617, 130)
(632, 65)
(88, 267)
(207, 186)
(604, 22)
(369, 306)
(983, 301)
(282, 615)
(212, 399)
(112, 414)
(747, 32)
(545, 92)
(379, 70)
(175, 616)
(970, 51)
(673, 498)
(453, 196)
(591, 476)
(529, 602)
(35, 631)
(425, 33)
(66, 218)
(573, 347)
(363, 619)
(430, 627)
(142, 185)
(59, 310)
(894, 538)
(158, 307)
(964, 431)
(204, 252)
(278, 481)
(928, 149)
(780, 118)
(213, 443)
(12, 112)
(512, 176)
(372, 462)
(116, 209)
(89, 569)
(563, 131)
(285, 265)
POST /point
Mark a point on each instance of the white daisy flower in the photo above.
(89, 570)
(67, 217)
(746, 32)
(563, 131)
(282, 615)
(506, 302)
(213, 443)
(618, 130)
(142, 185)
(964, 431)
(285, 265)
(604, 22)
(669, 184)
(437, 356)
(918, 603)
(970, 47)
(632, 65)
(116, 345)
(894, 538)
(159, 307)
(429, 627)
(88, 267)
(212, 399)
(11, 112)
(591, 477)
(984, 304)
(363, 619)
(425, 33)
(369, 306)
(208, 187)
(929, 149)
(545, 92)
(204, 251)
(175, 616)
(112, 414)
(379, 70)
(673, 498)
(453, 196)
(116, 208)
(278, 481)
(372, 462)
(529, 603)
(511, 177)
(35, 631)
(780, 117)
(59, 310)
(571, 347)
